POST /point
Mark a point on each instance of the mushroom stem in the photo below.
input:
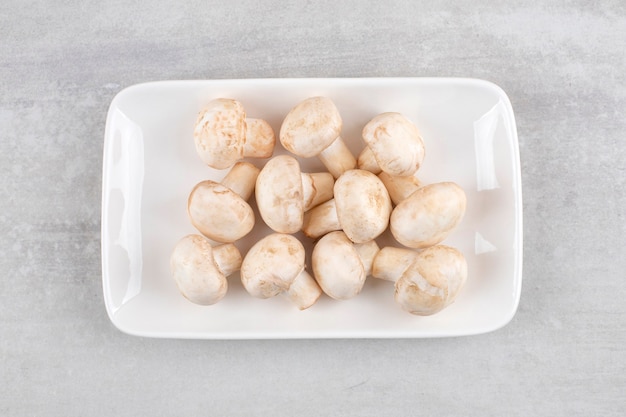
(227, 258)
(399, 188)
(316, 189)
(367, 161)
(390, 263)
(260, 139)
(367, 253)
(321, 220)
(304, 291)
(337, 158)
(241, 179)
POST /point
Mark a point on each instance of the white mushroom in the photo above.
(428, 215)
(200, 270)
(399, 188)
(219, 210)
(394, 145)
(275, 265)
(313, 127)
(361, 208)
(340, 266)
(284, 193)
(223, 135)
(425, 282)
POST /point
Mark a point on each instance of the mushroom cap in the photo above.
(311, 126)
(220, 133)
(363, 205)
(218, 212)
(279, 194)
(196, 273)
(271, 265)
(337, 266)
(433, 281)
(428, 215)
(260, 139)
(395, 142)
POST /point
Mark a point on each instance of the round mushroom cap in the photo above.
(428, 215)
(279, 194)
(219, 213)
(310, 127)
(363, 205)
(220, 133)
(395, 142)
(196, 273)
(337, 266)
(271, 265)
(433, 281)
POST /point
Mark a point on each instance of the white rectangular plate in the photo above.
(150, 166)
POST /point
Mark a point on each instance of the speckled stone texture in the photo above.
(563, 66)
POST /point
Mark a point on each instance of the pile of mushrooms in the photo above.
(343, 211)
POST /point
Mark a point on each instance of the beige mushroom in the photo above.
(399, 188)
(200, 270)
(219, 210)
(428, 215)
(361, 208)
(341, 266)
(313, 127)
(425, 282)
(223, 135)
(284, 193)
(275, 265)
(394, 145)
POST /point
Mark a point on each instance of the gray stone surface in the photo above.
(563, 66)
